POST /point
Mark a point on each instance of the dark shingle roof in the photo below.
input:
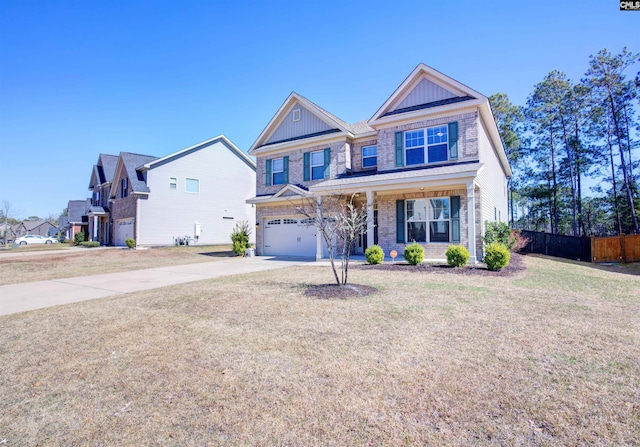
(109, 163)
(429, 105)
(131, 164)
(76, 209)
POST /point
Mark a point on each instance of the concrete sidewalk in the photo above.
(16, 298)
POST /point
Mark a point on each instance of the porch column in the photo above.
(471, 222)
(95, 229)
(318, 233)
(370, 231)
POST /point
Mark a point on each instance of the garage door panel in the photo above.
(123, 231)
(289, 236)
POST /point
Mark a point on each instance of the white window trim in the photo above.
(185, 185)
(173, 183)
(369, 156)
(296, 115)
(427, 221)
(425, 147)
(273, 171)
(311, 165)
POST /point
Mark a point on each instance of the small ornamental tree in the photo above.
(341, 223)
(240, 237)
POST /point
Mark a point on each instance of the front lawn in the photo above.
(41, 267)
(550, 356)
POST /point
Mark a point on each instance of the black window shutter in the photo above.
(400, 221)
(267, 180)
(455, 219)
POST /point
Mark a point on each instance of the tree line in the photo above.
(570, 134)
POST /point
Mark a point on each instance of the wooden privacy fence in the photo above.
(622, 248)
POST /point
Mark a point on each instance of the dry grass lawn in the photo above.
(61, 264)
(550, 357)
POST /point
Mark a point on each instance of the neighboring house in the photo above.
(41, 227)
(197, 193)
(98, 214)
(18, 230)
(6, 232)
(76, 220)
(429, 166)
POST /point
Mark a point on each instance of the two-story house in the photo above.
(98, 214)
(196, 194)
(429, 165)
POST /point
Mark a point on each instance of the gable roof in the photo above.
(75, 210)
(220, 138)
(32, 224)
(334, 123)
(130, 163)
(104, 170)
(446, 90)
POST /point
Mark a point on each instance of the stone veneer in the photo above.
(467, 138)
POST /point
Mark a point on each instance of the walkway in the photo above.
(16, 298)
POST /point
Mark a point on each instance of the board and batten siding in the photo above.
(424, 93)
(491, 179)
(308, 124)
(225, 182)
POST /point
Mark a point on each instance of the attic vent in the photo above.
(296, 115)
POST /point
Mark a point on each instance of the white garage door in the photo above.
(123, 231)
(289, 236)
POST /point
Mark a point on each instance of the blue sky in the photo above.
(82, 78)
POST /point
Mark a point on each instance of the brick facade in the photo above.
(340, 159)
(467, 138)
(356, 155)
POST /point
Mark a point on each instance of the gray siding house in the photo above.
(198, 193)
(429, 166)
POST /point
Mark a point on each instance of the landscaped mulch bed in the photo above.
(516, 265)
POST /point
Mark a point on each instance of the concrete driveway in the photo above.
(16, 298)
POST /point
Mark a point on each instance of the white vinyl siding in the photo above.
(306, 125)
(491, 180)
(425, 92)
(226, 181)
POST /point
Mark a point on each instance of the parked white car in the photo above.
(30, 239)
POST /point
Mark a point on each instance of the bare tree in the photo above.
(9, 215)
(340, 222)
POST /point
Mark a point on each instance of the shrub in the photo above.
(374, 254)
(501, 233)
(240, 237)
(457, 255)
(131, 243)
(89, 244)
(496, 256)
(79, 238)
(414, 253)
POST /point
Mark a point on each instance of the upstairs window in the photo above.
(369, 156)
(192, 185)
(278, 171)
(317, 165)
(96, 198)
(124, 187)
(173, 183)
(414, 147)
(437, 144)
(433, 150)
